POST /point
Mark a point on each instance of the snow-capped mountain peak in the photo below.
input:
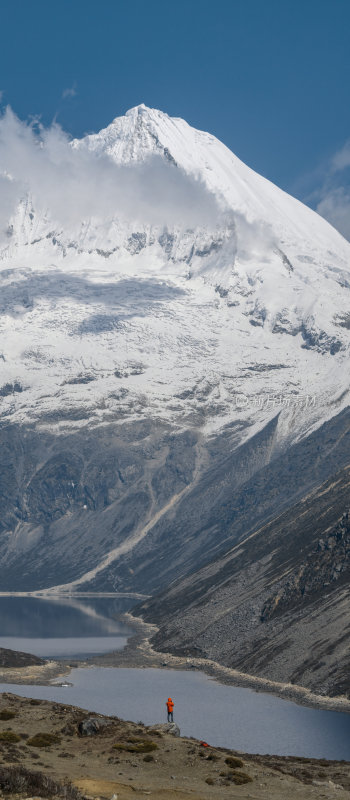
(133, 137)
(144, 131)
(153, 273)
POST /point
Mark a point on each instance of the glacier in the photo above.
(242, 314)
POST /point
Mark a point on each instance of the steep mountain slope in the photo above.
(276, 605)
(171, 325)
(238, 491)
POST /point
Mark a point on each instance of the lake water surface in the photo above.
(223, 715)
(63, 627)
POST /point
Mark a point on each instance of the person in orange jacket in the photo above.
(170, 706)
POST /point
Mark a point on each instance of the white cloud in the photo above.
(69, 92)
(73, 184)
(335, 207)
(330, 195)
(341, 159)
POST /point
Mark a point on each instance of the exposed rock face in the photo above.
(328, 562)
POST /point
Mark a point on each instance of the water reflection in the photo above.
(63, 627)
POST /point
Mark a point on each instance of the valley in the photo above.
(174, 402)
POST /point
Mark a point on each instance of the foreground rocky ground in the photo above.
(45, 752)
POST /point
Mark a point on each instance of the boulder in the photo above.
(92, 725)
(166, 727)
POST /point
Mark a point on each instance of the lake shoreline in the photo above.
(139, 653)
(36, 675)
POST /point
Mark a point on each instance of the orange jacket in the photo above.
(169, 704)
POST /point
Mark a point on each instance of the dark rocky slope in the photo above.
(237, 491)
(276, 605)
(14, 658)
(66, 500)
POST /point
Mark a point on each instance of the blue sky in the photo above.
(270, 78)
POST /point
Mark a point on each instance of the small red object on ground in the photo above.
(204, 744)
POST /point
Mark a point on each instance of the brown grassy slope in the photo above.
(144, 763)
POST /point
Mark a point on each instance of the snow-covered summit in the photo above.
(170, 280)
(133, 137)
(146, 131)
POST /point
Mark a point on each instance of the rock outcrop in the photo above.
(166, 727)
(327, 563)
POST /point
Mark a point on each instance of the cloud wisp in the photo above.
(330, 195)
(341, 159)
(72, 185)
(335, 207)
(69, 92)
